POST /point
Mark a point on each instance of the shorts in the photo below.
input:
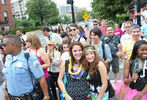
(115, 65)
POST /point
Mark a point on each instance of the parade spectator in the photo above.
(142, 13)
(60, 29)
(113, 42)
(65, 50)
(126, 37)
(75, 34)
(103, 26)
(117, 30)
(81, 31)
(54, 57)
(137, 68)
(128, 47)
(76, 88)
(144, 30)
(35, 47)
(18, 81)
(64, 36)
(67, 30)
(100, 46)
(97, 75)
(5, 33)
(50, 36)
(95, 23)
(122, 25)
(2, 83)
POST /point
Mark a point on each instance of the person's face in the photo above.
(135, 34)
(67, 30)
(28, 44)
(116, 26)
(50, 47)
(95, 24)
(90, 56)
(109, 31)
(142, 51)
(77, 52)
(103, 22)
(74, 31)
(18, 33)
(65, 38)
(127, 27)
(65, 47)
(45, 33)
(9, 47)
(94, 37)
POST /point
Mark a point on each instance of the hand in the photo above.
(67, 97)
(7, 97)
(134, 76)
(137, 97)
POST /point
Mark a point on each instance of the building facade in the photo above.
(6, 17)
(19, 9)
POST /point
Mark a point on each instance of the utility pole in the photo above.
(138, 10)
(71, 2)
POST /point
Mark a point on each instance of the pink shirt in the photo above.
(103, 28)
(118, 32)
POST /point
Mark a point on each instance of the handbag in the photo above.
(37, 93)
(110, 89)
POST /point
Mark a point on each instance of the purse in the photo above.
(37, 93)
(110, 89)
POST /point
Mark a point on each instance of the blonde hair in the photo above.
(34, 40)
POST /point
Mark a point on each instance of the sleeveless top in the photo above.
(77, 88)
(95, 82)
(46, 75)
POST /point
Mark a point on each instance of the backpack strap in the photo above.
(103, 48)
(79, 39)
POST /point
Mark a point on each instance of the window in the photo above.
(3, 2)
(6, 17)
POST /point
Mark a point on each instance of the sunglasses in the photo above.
(94, 24)
(72, 29)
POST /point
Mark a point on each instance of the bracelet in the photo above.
(46, 97)
(64, 93)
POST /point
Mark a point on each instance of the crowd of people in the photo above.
(75, 63)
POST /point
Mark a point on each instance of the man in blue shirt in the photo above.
(18, 79)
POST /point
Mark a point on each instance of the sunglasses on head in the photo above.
(72, 29)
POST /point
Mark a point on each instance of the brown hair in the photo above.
(92, 67)
(74, 25)
(64, 42)
(71, 54)
(34, 40)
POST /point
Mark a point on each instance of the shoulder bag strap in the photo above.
(27, 55)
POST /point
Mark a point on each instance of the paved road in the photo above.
(111, 76)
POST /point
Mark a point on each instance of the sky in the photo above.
(80, 3)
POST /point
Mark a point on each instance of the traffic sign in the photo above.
(86, 16)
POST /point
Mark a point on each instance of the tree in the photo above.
(66, 19)
(41, 10)
(108, 9)
(79, 15)
(54, 21)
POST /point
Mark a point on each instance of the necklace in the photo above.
(69, 70)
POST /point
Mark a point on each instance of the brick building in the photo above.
(6, 17)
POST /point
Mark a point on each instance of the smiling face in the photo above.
(65, 47)
(90, 55)
(109, 31)
(94, 37)
(135, 34)
(77, 52)
(142, 51)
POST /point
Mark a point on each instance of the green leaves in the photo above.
(41, 10)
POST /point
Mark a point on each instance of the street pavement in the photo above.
(111, 76)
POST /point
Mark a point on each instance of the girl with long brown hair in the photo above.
(97, 75)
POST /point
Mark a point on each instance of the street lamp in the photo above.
(72, 10)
